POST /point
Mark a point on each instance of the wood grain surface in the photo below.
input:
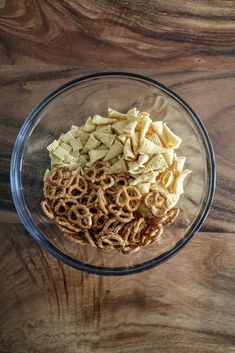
(186, 305)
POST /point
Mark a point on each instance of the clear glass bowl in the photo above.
(70, 105)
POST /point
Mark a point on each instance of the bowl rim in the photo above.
(37, 234)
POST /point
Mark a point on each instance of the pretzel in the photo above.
(99, 220)
(59, 176)
(80, 215)
(151, 234)
(137, 227)
(77, 186)
(128, 197)
(130, 249)
(79, 237)
(49, 191)
(121, 214)
(66, 226)
(119, 181)
(107, 182)
(102, 202)
(91, 198)
(157, 202)
(60, 207)
(96, 173)
(110, 241)
(89, 239)
(110, 224)
(46, 208)
(170, 217)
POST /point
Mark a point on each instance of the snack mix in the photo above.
(115, 181)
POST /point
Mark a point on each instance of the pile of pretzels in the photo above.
(103, 210)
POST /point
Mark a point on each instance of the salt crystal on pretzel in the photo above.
(106, 139)
(179, 181)
(114, 151)
(115, 114)
(95, 155)
(173, 140)
(100, 120)
(148, 147)
(118, 168)
(127, 151)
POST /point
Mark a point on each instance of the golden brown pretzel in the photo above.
(77, 186)
(157, 202)
(47, 210)
(80, 215)
(96, 173)
(128, 197)
(109, 240)
(102, 202)
(59, 176)
(130, 249)
(151, 234)
(121, 214)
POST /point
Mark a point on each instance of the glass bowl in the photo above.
(70, 105)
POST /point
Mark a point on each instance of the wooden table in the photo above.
(186, 305)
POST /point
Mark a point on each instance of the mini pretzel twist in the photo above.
(119, 182)
(110, 241)
(99, 220)
(170, 217)
(80, 215)
(157, 202)
(59, 176)
(77, 186)
(130, 249)
(151, 234)
(66, 226)
(96, 173)
(121, 214)
(60, 207)
(128, 197)
(47, 210)
(102, 202)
